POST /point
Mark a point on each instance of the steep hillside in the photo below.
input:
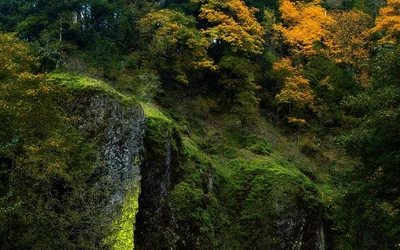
(215, 187)
(218, 189)
(224, 190)
(156, 183)
(199, 124)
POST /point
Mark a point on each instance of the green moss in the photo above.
(188, 200)
(121, 234)
(159, 129)
(254, 184)
(256, 189)
(86, 84)
(158, 125)
(154, 112)
(193, 153)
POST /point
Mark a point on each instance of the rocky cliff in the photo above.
(119, 132)
(191, 198)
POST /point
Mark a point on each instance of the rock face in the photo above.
(119, 133)
(155, 222)
(183, 202)
(183, 205)
(301, 229)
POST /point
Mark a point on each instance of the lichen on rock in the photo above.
(118, 130)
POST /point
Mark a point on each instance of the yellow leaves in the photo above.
(349, 37)
(289, 12)
(214, 16)
(14, 55)
(304, 25)
(283, 68)
(233, 23)
(388, 22)
(296, 92)
(296, 89)
(206, 64)
(296, 120)
(166, 26)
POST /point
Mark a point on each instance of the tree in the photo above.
(103, 29)
(331, 82)
(174, 38)
(270, 36)
(349, 42)
(232, 22)
(295, 90)
(9, 16)
(239, 83)
(388, 23)
(304, 26)
(46, 201)
(372, 205)
(349, 38)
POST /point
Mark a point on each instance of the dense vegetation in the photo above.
(325, 74)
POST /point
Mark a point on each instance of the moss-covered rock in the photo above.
(81, 84)
(116, 125)
(249, 198)
(121, 233)
(156, 223)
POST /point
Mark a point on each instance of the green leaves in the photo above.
(174, 37)
(45, 163)
(375, 141)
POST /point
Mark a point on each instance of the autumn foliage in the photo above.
(349, 38)
(304, 26)
(173, 36)
(233, 22)
(295, 91)
(174, 32)
(388, 22)
(320, 66)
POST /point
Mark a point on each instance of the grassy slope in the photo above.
(258, 177)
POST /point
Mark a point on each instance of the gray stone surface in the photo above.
(119, 132)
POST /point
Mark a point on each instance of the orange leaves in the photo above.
(349, 37)
(234, 23)
(310, 29)
(289, 12)
(388, 22)
(295, 89)
(304, 25)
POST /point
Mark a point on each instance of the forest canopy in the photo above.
(325, 70)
